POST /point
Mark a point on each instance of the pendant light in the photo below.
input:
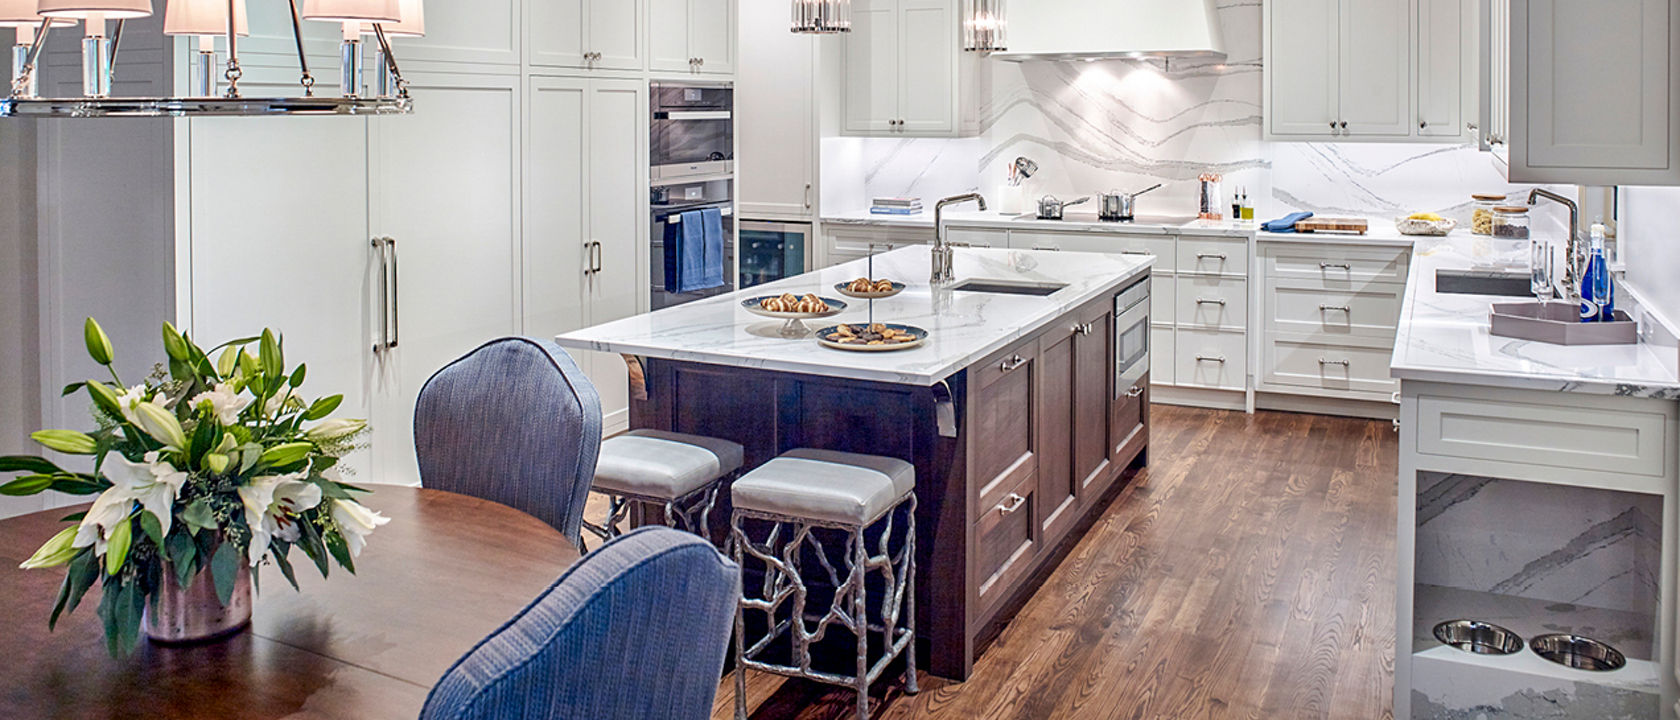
(413, 24)
(21, 16)
(984, 26)
(96, 47)
(204, 19)
(351, 14)
(822, 17)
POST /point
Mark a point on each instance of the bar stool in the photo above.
(816, 495)
(681, 473)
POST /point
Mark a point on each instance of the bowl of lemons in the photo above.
(1427, 224)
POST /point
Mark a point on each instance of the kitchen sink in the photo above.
(1482, 282)
(1001, 287)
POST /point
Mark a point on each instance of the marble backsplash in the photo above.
(1125, 125)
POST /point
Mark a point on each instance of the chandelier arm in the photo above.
(391, 60)
(20, 84)
(111, 62)
(308, 80)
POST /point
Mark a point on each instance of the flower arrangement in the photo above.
(204, 465)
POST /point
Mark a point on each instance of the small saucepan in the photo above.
(1049, 208)
(1121, 207)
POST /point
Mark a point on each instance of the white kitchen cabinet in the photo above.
(1376, 73)
(1446, 94)
(1302, 78)
(692, 36)
(776, 116)
(588, 34)
(905, 72)
(1592, 92)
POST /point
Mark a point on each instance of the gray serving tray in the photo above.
(1559, 323)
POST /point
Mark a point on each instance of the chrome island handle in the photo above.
(1011, 504)
(1012, 364)
(1136, 391)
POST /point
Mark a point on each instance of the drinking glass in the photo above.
(1541, 261)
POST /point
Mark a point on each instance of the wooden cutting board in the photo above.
(1334, 225)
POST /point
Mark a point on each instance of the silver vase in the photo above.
(195, 614)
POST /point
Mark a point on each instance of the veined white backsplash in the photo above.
(1125, 125)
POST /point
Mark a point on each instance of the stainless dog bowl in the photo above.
(1474, 636)
(1578, 652)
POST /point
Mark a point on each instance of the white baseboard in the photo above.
(1199, 397)
(1327, 406)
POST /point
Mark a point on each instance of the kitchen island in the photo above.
(1017, 412)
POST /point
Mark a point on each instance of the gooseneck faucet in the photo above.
(942, 252)
(1572, 264)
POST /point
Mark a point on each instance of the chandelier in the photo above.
(984, 26)
(206, 20)
(822, 17)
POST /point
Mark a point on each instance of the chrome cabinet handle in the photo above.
(1047, 248)
(1012, 364)
(1339, 266)
(384, 296)
(1207, 301)
(1344, 124)
(1332, 125)
(1337, 308)
(1212, 256)
(1011, 504)
(1423, 124)
(599, 256)
(588, 258)
(1471, 127)
(1136, 391)
(1084, 329)
(396, 296)
(1210, 358)
(807, 196)
(1344, 363)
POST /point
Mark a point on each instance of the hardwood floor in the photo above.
(1248, 573)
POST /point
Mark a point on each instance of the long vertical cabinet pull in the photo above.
(380, 342)
(588, 259)
(396, 297)
(598, 257)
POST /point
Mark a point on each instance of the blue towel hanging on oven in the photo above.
(711, 231)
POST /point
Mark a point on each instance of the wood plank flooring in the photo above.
(1248, 573)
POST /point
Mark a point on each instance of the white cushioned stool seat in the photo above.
(666, 465)
(827, 485)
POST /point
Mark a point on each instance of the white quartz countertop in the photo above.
(1079, 219)
(1446, 338)
(964, 327)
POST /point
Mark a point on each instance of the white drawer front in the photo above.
(1341, 268)
(1212, 359)
(1580, 438)
(1209, 256)
(978, 238)
(1329, 367)
(1212, 302)
(1160, 246)
(1161, 356)
(1162, 294)
(1373, 312)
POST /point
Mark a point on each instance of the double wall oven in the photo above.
(692, 155)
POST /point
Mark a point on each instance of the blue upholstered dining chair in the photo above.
(637, 629)
(516, 422)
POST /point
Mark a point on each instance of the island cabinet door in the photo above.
(1003, 471)
(1093, 397)
(1059, 477)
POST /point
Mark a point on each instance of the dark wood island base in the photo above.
(1015, 456)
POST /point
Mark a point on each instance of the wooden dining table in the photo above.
(445, 572)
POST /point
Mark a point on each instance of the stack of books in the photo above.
(897, 206)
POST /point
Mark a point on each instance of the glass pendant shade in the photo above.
(108, 9)
(822, 17)
(984, 26)
(19, 13)
(413, 23)
(204, 17)
(352, 11)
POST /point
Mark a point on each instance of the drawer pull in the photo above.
(1338, 266)
(1337, 308)
(1206, 301)
(1145, 253)
(1048, 248)
(1136, 391)
(1011, 504)
(1012, 364)
(1344, 363)
(1084, 329)
(1212, 256)
(1211, 358)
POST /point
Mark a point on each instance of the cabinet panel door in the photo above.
(1304, 66)
(1445, 32)
(556, 208)
(1598, 87)
(248, 223)
(711, 34)
(453, 215)
(1376, 75)
(775, 115)
(618, 220)
(484, 31)
(615, 31)
(872, 67)
(668, 36)
(1094, 391)
(557, 36)
(1057, 500)
(927, 69)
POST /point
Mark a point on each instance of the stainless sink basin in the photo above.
(1480, 282)
(1003, 287)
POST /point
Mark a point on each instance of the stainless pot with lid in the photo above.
(1121, 207)
(1049, 208)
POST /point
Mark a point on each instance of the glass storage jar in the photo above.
(1510, 222)
(1481, 219)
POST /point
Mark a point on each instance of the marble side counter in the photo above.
(964, 327)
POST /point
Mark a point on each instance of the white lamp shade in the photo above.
(203, 17)
(413, 22)
(109, 9)
(386, 11)
(18, 13)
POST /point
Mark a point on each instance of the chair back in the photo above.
(515, 422)
(636, 629)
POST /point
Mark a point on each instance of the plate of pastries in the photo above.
(871, 337)
(789, 306)
(867, 289)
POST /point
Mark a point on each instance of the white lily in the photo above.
(356, 522)
(334, 429)
(224, 401)
(278, 403)
(129, 402)
(152, 483)
(271, 507)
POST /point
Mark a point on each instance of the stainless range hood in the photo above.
(1113, 29)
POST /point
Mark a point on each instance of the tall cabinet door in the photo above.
(443, 188)
(1303, 81)
(668, 36)
(872, 67)
(1094, 394)
(711, 34)
(775, 117)
(556, 208)
(1058, 486)
(1376, 75)
(301, 223)
(618, 223)
(615, 31)
(1446, 35)
(557, 33)
(927, 69)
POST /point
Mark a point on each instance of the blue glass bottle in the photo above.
(1598, 290)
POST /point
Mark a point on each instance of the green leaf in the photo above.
(340, 550)
(116, 549)
(310, 541)
(69, 442)
(28, 463)
(298, 375)
(174, 344)
(153, 529)
(78, 484)
(273, 363)
(204, 436)
(279, 553)
(27, 485)
(98, 343)
(323, 407)
(183, 554)
(198, 515)
(72, 389)
(224, 567)
(287, 454)
(74, 517)
(84, 569)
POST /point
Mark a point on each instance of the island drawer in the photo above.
(1335, 367)
(1006, 542)
(1300, 307)
(1160, 246)
(1212, 256)
(1336, 267)
(1212, 359)
(1212, 302)
(1575, 433)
